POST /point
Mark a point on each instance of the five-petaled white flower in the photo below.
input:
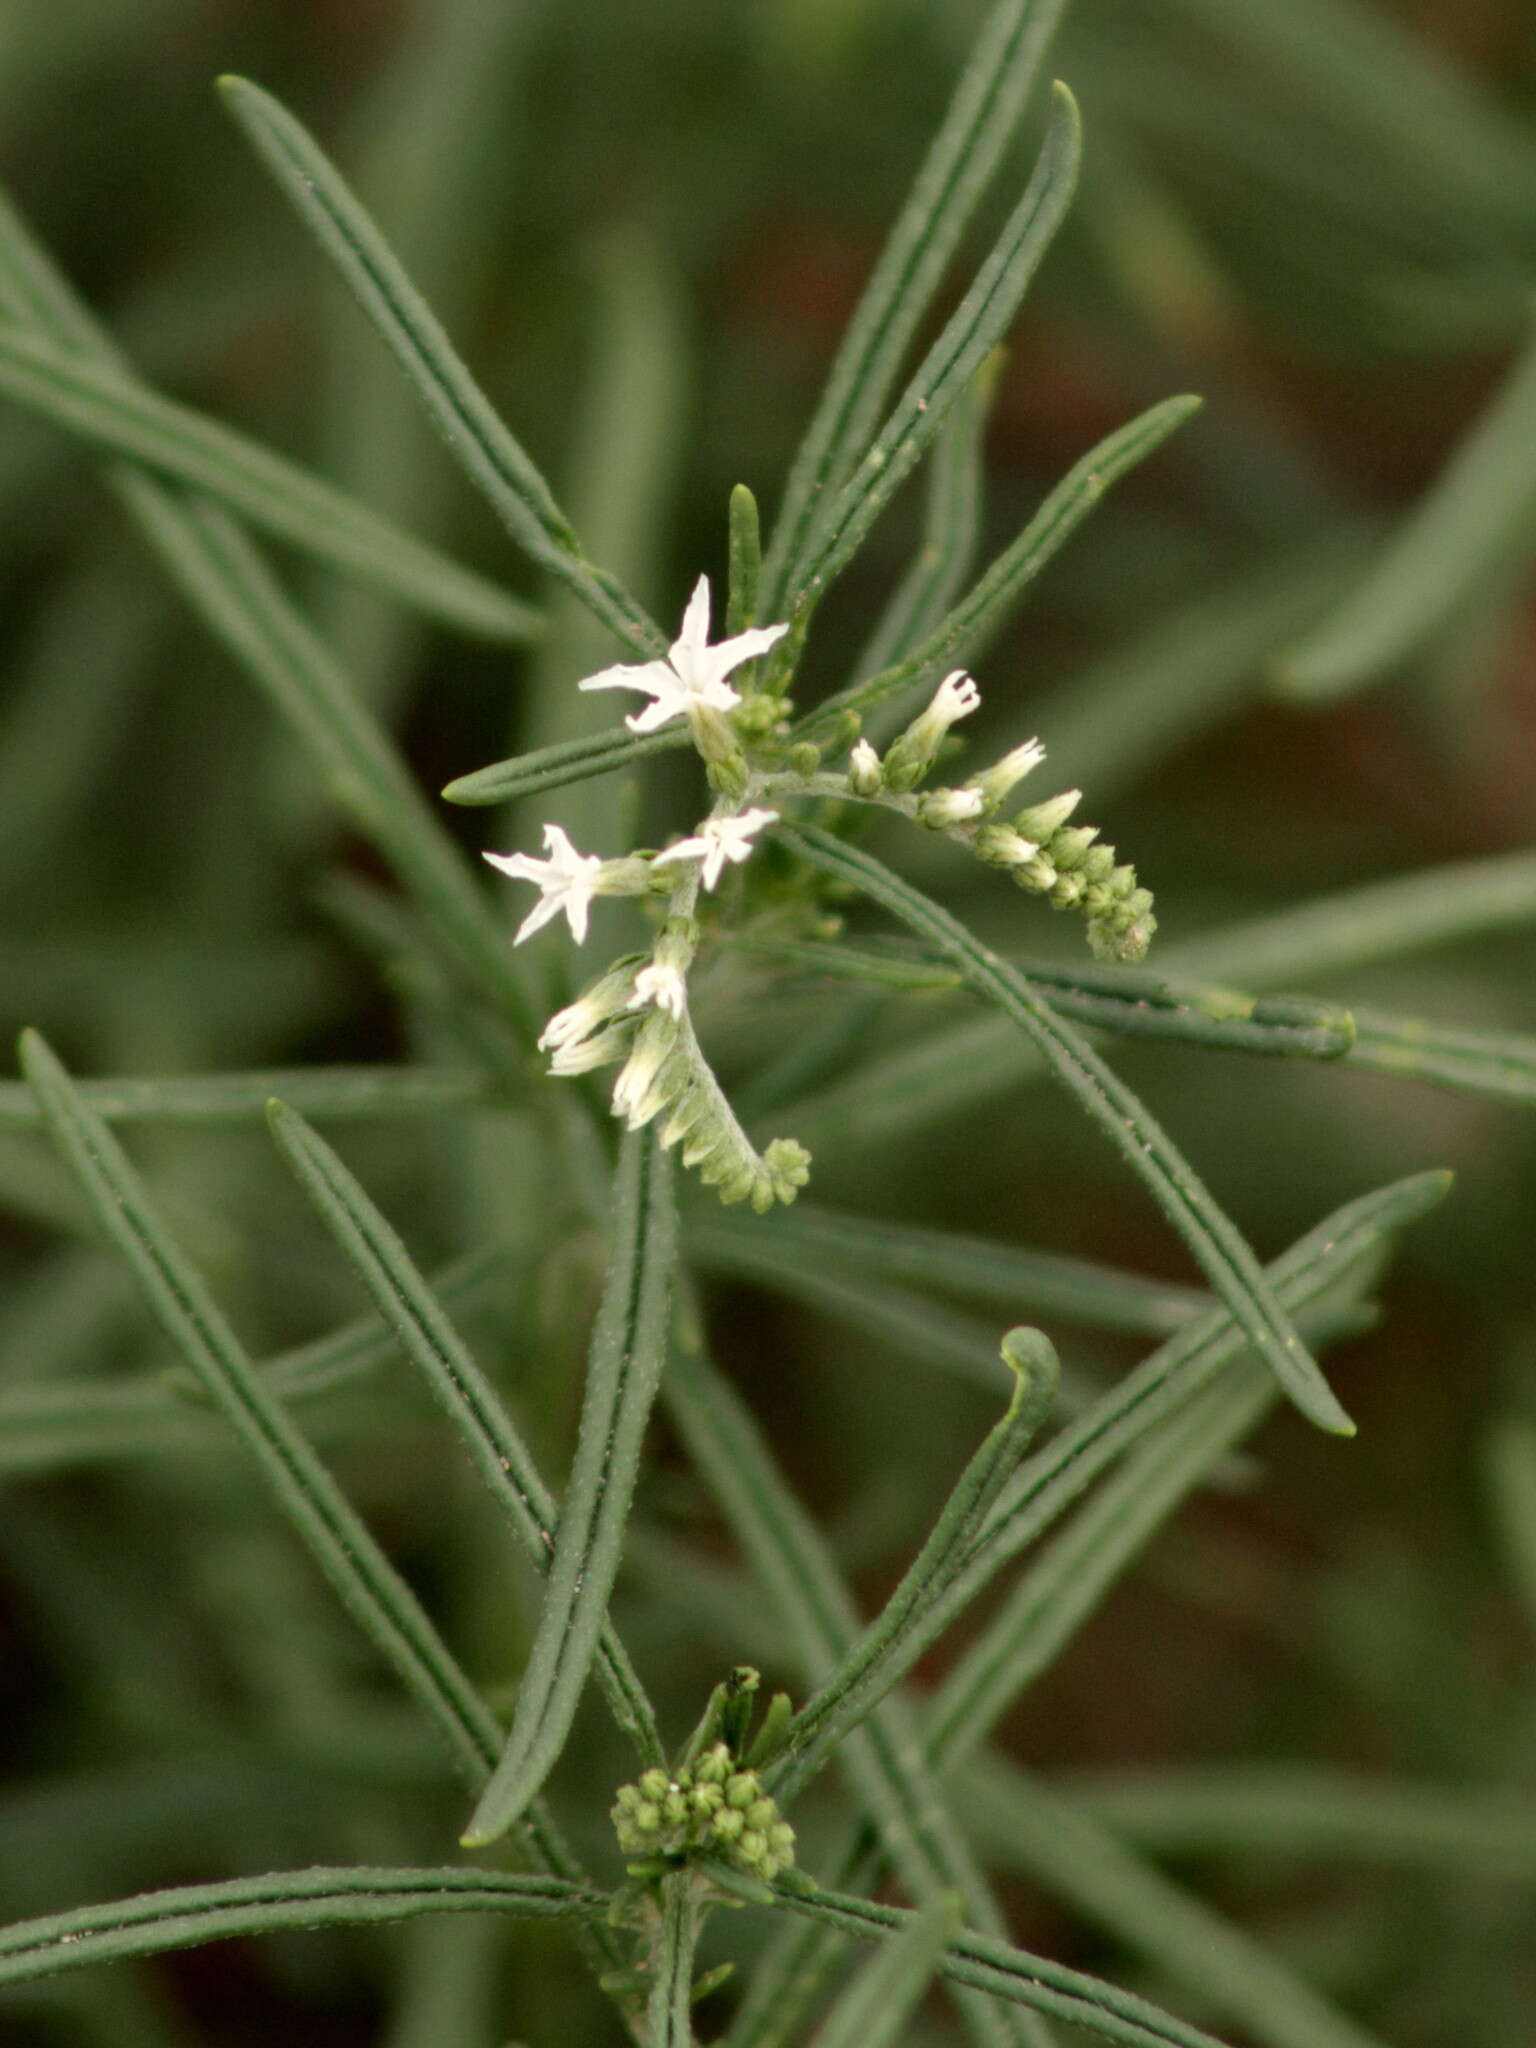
(567, 882)
(693, 675)
(720, 840)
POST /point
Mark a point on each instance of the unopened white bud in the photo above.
(864, 770)
(994, 783)
(942, 808)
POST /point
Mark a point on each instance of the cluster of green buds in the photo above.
(1038, 847)
(713, 1807)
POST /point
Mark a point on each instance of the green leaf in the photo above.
(373, 1592)
(468, 422)
(1046, 1485)
(472, 1405)
(1033, 1829)
(1500, 1064)
(1013, 1974)
(886, 1993)
(883, 1758)
(1023, 1282)
(189, 1915)
(967, 339)
(950, 531)
(623, 1372)
(228, 584)
(120, 416)
(1051, 1601)
(346, 1092)
(1222, 1252)
(977, 129)
(1308, 1813)
(549, 768)
(986, 608)
(746, 562)
(839, 1705)
(1473, 524)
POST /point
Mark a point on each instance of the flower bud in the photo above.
(1001, 847)
(1040, 821)
(994, 783)
(864, 773)
(942, 808)
(912, 755)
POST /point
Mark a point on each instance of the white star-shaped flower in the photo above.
(719, 840)
(567, 882)
(693, 675)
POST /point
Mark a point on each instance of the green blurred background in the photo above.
(645, 222)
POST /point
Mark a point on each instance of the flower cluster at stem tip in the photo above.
(712, 1807)
(637, 1014)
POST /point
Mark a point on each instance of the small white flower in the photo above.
(567, 882)
(719, 840)
(663, 985)
(956, 697)
(693, 675)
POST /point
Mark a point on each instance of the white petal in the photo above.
(684, 849)
(651, 677)
(662, 712)
(546, 908)
(694, 636)
(744, 647)
(576, 905)
(522, 867)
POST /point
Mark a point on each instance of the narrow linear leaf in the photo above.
(968, 337)
(346, 1092)
(228, 584)
(1376, 921)
(1230, 1265)
(1300, 1812)
(411, 1310)
(669, 2009)
(468, 422)
(745, 559)
(1303, 1277)
(1009, 1973)
(927, 1332)
(125, 418)
(1472, 523)
(1035, 1830)
(987, 607)
(623, 1372)
(978, 126)
(887, 1992)
(549, 768)
(372, 1590)
(1047, 1483)
(1501, 1064)
(1127, 1000)
(1022, 1281)
(950, 531)
(943, 1073)
(882, 1760)
(190, 1915)
(838, 1705)
(1063, 1586)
